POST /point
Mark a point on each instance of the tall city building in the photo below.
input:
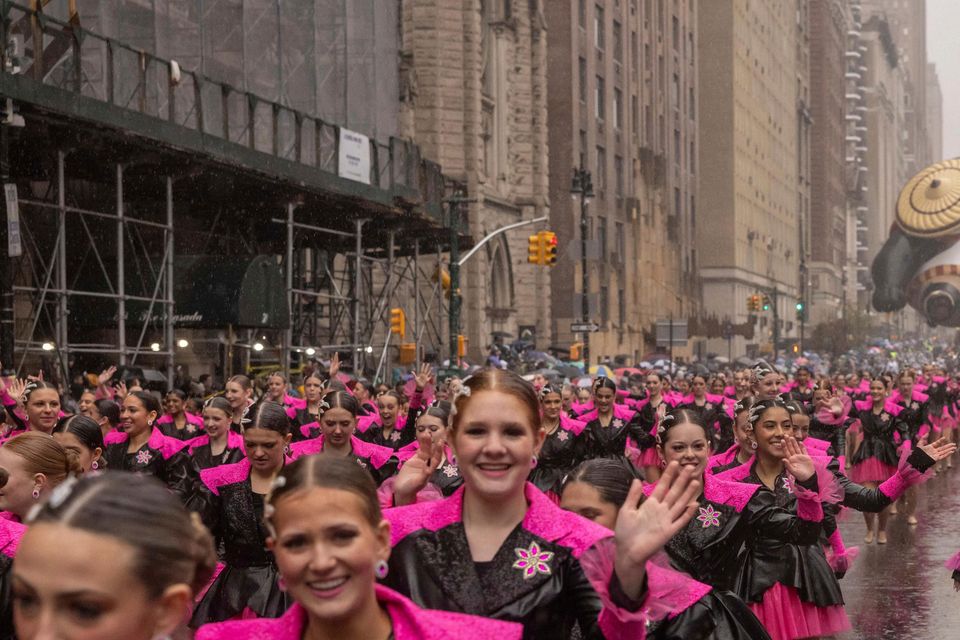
(474, 98)
(623, 105)
(934, 114)
(829, 23)
(753, 162)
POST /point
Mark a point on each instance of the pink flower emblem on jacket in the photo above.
(144, 457)
(709, 516)
(533, 561)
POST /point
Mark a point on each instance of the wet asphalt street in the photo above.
(901, 590)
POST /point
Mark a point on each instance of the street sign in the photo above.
(584, 327)
(671, 333)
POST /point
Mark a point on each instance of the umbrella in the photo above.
(602, 370)
(568, 370)
(501, 334)
(626, 371)
(721, 359)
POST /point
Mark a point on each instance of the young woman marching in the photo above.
(432, 454)
(331, 544)
(788, 584)
(219, 444)
(239, 393)
(610, 425)
(875, 455)
(140, 447)
(35, 407)
(389, 428)
(500, 548)
(739, 452)
(712, 410)
(831, 419)
(563, 447)
(10, 534)
(230, 503)
(648, 417)
(338, 426)
(35, 464)
(82, 436)
(111, 557)
(176, 422)
(309, 414)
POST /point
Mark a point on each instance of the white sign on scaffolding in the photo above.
(354, 161)
(14, 241)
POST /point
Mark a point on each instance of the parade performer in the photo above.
(610, 425)
(112, 557)
(788, 584)
(230, 502)
(563, 447)
(82, 436)
(219, 444)
(34, 464)
(500, 548)
(140, 447)
(177, 422)
(332, 544)
(338, 426)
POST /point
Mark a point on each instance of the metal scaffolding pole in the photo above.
(62, 337)
(288, 332)
(357, 351)
(416, 298)
(121, 285)
(169, 305)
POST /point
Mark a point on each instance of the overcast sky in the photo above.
(943, 48)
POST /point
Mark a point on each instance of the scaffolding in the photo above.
(123, 152)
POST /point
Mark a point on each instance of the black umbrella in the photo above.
(568, 370)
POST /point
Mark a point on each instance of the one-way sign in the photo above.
(584, 327)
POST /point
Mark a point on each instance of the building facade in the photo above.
(829, 23)
(474, 98)
(934, 114)
(753, 163)
(623, 106)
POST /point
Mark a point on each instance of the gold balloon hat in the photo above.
(929, 205)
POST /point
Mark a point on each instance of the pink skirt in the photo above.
(871, 470)
(787, 617)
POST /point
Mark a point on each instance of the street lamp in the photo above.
(582, 189)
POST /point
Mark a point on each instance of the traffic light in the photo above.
(443, 277)
(576, 351)
(756, 302)
(750, 301)
(549, 247)
(766, 303)
(534, 249)
(801, 311)
(408, 353)
(462, 343)
(398, 322)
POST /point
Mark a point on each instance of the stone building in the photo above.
(934, 114)
(474, 98)
(754, 162)
(623, 105)
(829, 23)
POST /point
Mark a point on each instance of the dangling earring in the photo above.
(95, 465)
(286, 449)
(533, 462)
(753, 445)
(36, 493)
(381, 569)
(281, 584)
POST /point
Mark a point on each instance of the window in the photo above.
(634, 49)
(583, 80)
(635, 113)
(677, 201)
(692, 105)
(676, 34)
(582, 14)
(598, 27)
(693, 215)
(621, 308)
(676, 91)
(621, 242)
(602, 238)
(676, 147)
(604, 304)
(618, 174)
(599, 99)
(617, 42)
(583, 149)
(691, 159)
(617, 108)
(601, 169)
